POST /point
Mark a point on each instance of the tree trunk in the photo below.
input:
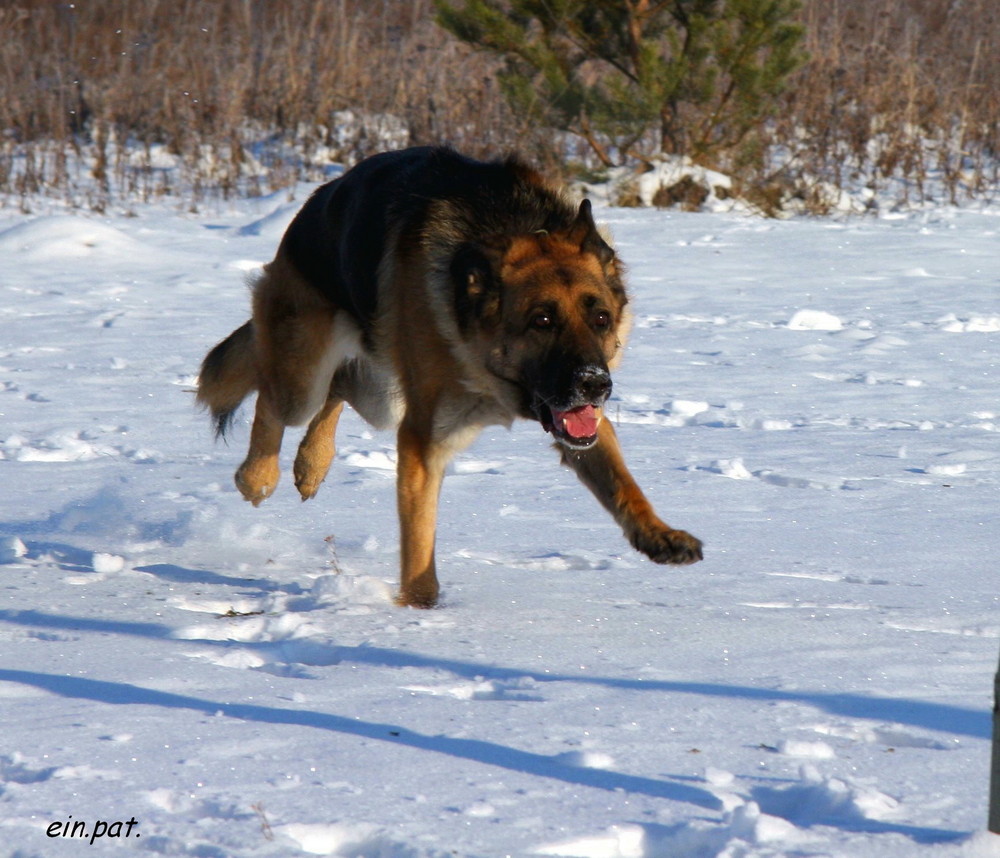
(994, 824)
(587, 133)
(669, 145)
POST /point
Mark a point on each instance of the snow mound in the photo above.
(667, 182)
(619, 841)
(814, 320)
(353, 589)
(812, 750)
(586, 759)
(819, 800)
(12, 549)
(358, 840)
(60, 237)
(973, 324)
(108, 564)
(273, 225)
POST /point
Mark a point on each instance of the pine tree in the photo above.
(636, 78)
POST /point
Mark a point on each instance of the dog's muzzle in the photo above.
(575, 423)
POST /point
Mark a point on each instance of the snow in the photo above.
(814, 320)
(817, 400)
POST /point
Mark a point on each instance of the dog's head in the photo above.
(547, 312)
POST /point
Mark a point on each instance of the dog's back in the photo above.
(342, 235)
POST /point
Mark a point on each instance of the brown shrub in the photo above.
(904, 90)
(211, 79)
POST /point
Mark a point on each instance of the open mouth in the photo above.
(574, 427)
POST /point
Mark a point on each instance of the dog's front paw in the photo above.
(414, 597)
(663, 544)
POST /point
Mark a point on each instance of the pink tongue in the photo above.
(578, 422)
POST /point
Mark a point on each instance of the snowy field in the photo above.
(182, 674)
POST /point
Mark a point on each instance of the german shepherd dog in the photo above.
(441, 295)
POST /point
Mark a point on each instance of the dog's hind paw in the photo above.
(308, 477)
(307, 491)
(257, 480)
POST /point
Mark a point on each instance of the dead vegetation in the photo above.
(127, 100)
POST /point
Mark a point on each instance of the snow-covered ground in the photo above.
(817, 400)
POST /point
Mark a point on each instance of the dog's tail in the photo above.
(227, 377)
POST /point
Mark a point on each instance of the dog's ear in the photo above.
(476, 284)
(584, 232)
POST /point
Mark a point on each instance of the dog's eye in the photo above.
(542, 321)
(602, 321)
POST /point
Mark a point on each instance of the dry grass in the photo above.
(106, 103)
(899, 95)
(235, 96)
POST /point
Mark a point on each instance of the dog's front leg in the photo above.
(420, 469)
(602, 469)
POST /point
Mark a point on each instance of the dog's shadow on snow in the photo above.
(941, 717)
(916, 713)
(490, 753)
(475, 750)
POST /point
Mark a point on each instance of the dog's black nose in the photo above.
(592, 384)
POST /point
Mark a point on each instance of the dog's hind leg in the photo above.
(258, 476)
(317, 448)
(297, 351)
